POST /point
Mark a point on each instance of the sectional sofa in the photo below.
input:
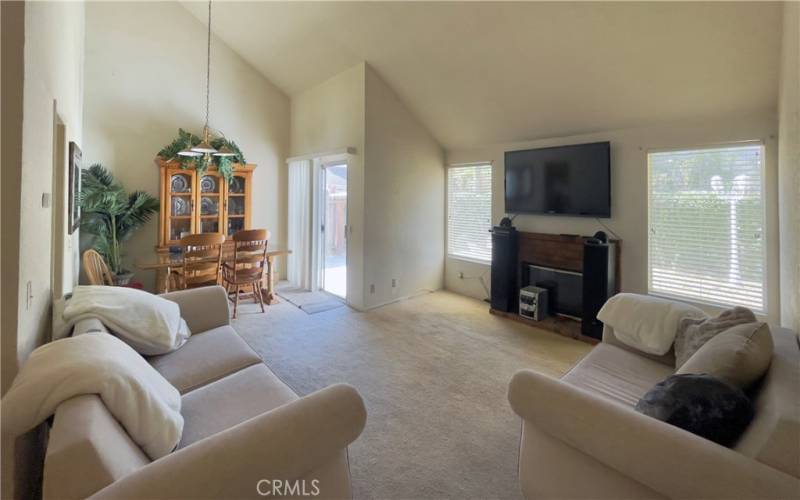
(581, 437)
(246, 433)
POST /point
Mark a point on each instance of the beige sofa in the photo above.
(581, 437)
(245, 432)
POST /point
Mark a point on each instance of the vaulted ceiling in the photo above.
(485, 72)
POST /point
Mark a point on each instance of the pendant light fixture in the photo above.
(224, 151)
(205, 146)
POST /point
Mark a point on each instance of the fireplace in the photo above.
(564, 288)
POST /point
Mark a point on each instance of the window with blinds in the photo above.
(706, 225)
(469, 212)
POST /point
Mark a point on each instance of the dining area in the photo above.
(205, 236)
(243, 264)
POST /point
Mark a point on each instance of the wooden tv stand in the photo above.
(559, 251)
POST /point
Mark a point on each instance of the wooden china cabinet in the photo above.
(193, 203)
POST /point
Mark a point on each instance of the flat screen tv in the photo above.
(566, 180)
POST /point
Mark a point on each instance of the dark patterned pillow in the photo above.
(701, 404)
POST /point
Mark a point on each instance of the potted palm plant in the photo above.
(111, 216)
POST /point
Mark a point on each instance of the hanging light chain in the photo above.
(208, 65)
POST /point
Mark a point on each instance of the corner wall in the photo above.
(395, 183)
(789, 167)
(403, 198)
(145, 78)
(629, 194)
(51, 82)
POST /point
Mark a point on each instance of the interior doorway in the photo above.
(57, 210)
(333, 229)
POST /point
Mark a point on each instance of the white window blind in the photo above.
(706, 225)
(469, 212)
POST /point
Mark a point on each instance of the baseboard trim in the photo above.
(398, 299)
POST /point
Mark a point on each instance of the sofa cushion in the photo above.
(740, 355)
(205, 357)
(617, 374)
(230, 401)
(775, 431)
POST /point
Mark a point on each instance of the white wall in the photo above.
(404, 199)
(145, 78)
(13, 78)
(628, 193)
(54, 42)
(52, 83)
(395, 183)
(328, 117)
(789, 167)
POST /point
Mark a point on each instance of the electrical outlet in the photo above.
(372, 288)
(394, 282)
(461, 275)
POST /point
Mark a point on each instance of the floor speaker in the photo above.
(504, 269)
(599, 283)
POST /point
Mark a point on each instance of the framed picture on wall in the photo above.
(75, 159)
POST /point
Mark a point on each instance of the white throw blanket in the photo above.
(142, 400)
(148, 323)
(644, 322)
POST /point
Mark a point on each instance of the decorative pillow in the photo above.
(644, 322)
(693, 332)
(739, 355)
(700, 404)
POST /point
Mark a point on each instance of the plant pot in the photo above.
(123, 278)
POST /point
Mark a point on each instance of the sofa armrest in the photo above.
(285, 443)
(667, 459)
(202, 308)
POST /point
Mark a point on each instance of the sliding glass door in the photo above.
(333, 230)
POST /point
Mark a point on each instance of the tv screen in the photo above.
(565, 180)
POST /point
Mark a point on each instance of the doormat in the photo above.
(309, 302)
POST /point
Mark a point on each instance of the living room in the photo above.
(362, 157)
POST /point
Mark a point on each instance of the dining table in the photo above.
(166, 262)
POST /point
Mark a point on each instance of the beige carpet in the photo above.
(433, 371)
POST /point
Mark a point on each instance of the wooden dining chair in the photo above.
(202, 257)
(96, 268)
(247, 266)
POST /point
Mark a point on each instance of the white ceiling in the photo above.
(480, 72)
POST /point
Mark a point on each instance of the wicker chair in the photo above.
(96, 269)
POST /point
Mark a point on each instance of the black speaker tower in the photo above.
(504, 269)
(599, 284)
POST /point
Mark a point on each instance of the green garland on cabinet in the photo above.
(187, 140)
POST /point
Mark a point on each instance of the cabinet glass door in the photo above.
(211, 209)
(181, 205)
(238, 188)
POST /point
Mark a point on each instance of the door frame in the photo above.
(318, 237)
(58, 197)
